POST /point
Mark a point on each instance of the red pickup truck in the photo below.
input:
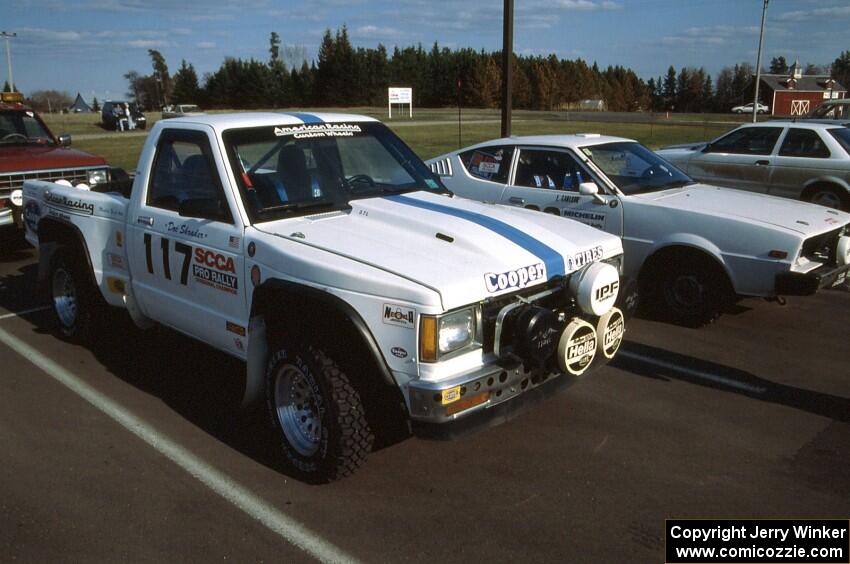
(30, 151)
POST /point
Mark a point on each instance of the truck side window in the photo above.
(489, 163)
(552, 170)
(184, 177)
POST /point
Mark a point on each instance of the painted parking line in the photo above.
(716, 378)
(22, 313)
(278, 522)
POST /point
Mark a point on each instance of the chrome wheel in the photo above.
(297, 410)
(65, 297)
(826, 198)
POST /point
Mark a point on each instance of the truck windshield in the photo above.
(22, 127)
(298, 169)
(634, 168)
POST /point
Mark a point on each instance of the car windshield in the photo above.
(22, 127)
(842, 135)
(187, 109)
(634, 168)
(296, 169)
(829, 110)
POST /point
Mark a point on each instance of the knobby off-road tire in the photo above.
(77, 305)
(317, 413)
(689, 291)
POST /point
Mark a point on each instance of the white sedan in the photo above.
(692, 248)
(748, 109)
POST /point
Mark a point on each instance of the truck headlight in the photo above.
(98, 177)
(443, 335)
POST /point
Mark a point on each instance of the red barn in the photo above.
(796, 94)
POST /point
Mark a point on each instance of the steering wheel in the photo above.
(655, 171)
(13, 135)
(361, 178)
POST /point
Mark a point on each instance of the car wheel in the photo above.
(76, 301)
(688, 290)
(829, 197)
(317, 413)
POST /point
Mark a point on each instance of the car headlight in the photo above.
(441, 336)
(98, 177)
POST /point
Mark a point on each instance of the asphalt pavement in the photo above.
(134, 449)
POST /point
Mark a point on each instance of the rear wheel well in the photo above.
(53, 234)
(669, 255)
(842, 192)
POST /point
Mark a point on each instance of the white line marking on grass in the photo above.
(283, 525)
(722, 380)
(25, 312)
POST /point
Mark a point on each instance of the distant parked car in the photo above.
(832, 111)
(181, 110)
(748, 109)
(110, 115)
(692, 248)
(801, 160)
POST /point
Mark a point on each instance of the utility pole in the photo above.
(8, 35)
(758, 63)
(507, 66)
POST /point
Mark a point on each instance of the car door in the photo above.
(485, 173)
(547, 179)
(185, 244)
(741, 159)
(802, 155)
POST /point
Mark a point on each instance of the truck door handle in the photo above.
(762, 163)
(145, 220)
(517, 201)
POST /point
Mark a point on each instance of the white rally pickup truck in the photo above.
(320, 250)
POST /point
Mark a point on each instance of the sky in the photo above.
(87, 46)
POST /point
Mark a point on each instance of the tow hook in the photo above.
(778, 299)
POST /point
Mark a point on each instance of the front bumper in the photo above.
(6, 217)
(509, 387)
(800, 284)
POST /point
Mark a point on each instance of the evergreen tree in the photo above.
(669, 90)
(186, 89)
(841, 69)
(95, 105)
(778, 65)
(160, 74)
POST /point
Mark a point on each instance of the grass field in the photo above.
(434, 131)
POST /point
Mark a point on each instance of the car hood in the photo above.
(456, 247)
(799, 217)
(20, 158)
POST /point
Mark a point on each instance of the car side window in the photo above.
(748, 141)
(184, 178)
(489, 163)
(803, 143)
(552, 170)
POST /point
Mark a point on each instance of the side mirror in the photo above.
(707, 148)
(65, 140)
(591, 189)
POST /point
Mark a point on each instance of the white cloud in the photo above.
(205, 45)
(378, 32)
(826, 13)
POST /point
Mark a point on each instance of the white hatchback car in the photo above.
(691, 247)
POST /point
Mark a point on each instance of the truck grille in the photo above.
(15, 180)
(821, 248)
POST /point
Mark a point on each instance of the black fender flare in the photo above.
(48, 248)
(262, 299)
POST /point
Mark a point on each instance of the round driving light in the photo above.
(577, 347)
(596, 288)
(842, 251)
(17, 198)
(609, 332)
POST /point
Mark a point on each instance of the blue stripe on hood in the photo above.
(553, 260)
(309, 119)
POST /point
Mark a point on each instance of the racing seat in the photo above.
(292, 169)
